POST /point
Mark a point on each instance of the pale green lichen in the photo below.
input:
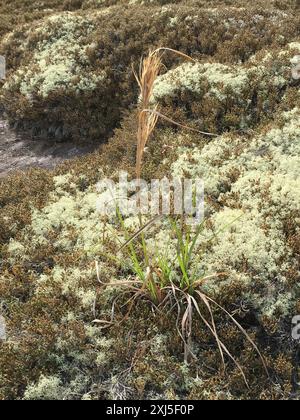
(194, 77)
(16, 249)
(62, 181)
(266, 191)
(203, 164)
(60, 60)
(70, 282)
(244, 241)
(222, 81)
(48, 388)
(295, 46)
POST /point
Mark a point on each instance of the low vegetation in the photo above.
(168, 312)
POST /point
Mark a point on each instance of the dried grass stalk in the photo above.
(149, 70)
(147, 118)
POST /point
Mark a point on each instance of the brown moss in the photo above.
(18, 193)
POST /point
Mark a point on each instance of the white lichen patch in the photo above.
(70, 212)
(264, 191)
(62, 181)
(204, 164)
(47, 388)
(60, 58)
(295, 46)
(16, 249)
(244, 242)
(264, 70)
(71, 282)
(194, 77)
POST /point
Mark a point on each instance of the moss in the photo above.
(17, 196)
(51, 233)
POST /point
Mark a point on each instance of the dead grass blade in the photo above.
(140, 231)
(186, 328)
(243, 331)
(179, 53)
(182, 331)
(186, 127)
(200, 282)
(224, 348)
(203, 298)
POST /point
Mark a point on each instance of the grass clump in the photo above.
(51, 233)
(156, 277)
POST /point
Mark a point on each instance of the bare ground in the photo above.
(18, 151)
